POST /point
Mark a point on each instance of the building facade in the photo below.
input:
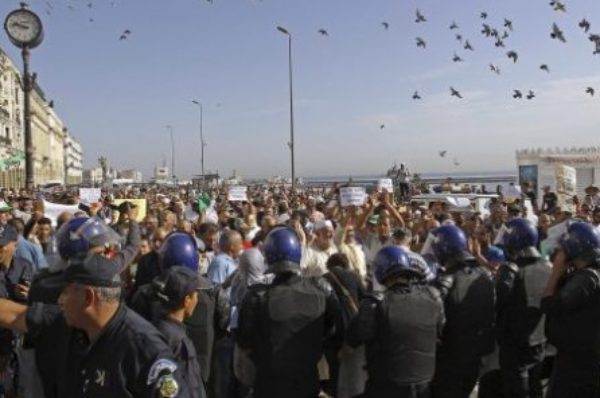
(135, 176)
(12, 136)
(73, 160)
(539, 167)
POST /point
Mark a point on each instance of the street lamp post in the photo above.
(202, 143)
(170, 128)
(291, 143)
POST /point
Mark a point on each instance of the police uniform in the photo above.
(469, 305)
(284, 326)
(200, 326)
(574, 329)
(128, 359)
(520, 325)
(185, 354)
(401, 328)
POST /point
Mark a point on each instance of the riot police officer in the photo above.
(520, 285)
(469, 298)
(283, 325)
(400, 328)
(179, 249)
(572, 305)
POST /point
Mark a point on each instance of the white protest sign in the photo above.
(352, 196)
(237, 193)
(53, 210)
(566, 186)
(513, 192)
(89, 195)
(385, 183)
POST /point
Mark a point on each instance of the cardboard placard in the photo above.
(352, 196)
(385, 183)
(237, 193)
(140, 210)
(88, 196)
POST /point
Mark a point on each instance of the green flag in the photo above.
(204, 200)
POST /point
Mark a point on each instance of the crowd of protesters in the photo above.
(207, 260)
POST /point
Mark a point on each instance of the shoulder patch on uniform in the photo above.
(168, 387)
(158, 367)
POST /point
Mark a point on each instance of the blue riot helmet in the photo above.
(78, 235)
(581, 239)
(179, 248)
(282, 250)
(449, 242)
(521, 238)
(393, 261)
(494, 254)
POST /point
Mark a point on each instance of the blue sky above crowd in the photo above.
(117, 96)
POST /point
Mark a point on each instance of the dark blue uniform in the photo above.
(185, 354)
(129, 358)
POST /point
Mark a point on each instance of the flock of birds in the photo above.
(498, 35)
(499, 39)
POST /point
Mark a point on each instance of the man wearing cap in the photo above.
(177, 291)
(592, 196)
(549, 200)
(93, 346)
(314, 256)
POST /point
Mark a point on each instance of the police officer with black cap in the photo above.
(469, 304)
(179, 249)
(400, 328)
(572, 305)
(284, 325)
(520, 285)
(177, 290)
(93, 346)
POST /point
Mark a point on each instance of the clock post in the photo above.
(24, 29)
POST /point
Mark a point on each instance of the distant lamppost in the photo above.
(170, 128)
(291, 143)
(103, 161)
(202, 143)
(25, 30)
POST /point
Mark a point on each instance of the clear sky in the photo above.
(117, 96)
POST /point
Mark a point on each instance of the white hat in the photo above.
(323, 224)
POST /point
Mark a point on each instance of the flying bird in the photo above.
(545, 67)
(456, 58)
(323, 32)
(468, 46)
(453, 26)
(558, 6)
(590, 91)
(126, 32)
(421, 42)
(585, 25)
(504, 35)
(530, 95)
(499, 43)
(595, 38)
(416, 96)
(443, 153)
(420, 17)
(456, 162)
(517, 94)
(495, 69)
(494, 33)
(381, 126)
(557, 33)
(483, 15)
(513, 55)
(455, 93)
(123, 37)
(385, 25)
(508, 24)
(487, 30)
(459, 38)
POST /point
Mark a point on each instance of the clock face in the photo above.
(23, 26)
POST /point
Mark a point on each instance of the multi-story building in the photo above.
(73, 160)
(134, 175)
(12, 137)
(93, 177)
(47, 132)
(50, 158)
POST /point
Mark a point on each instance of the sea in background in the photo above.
(489, 178)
